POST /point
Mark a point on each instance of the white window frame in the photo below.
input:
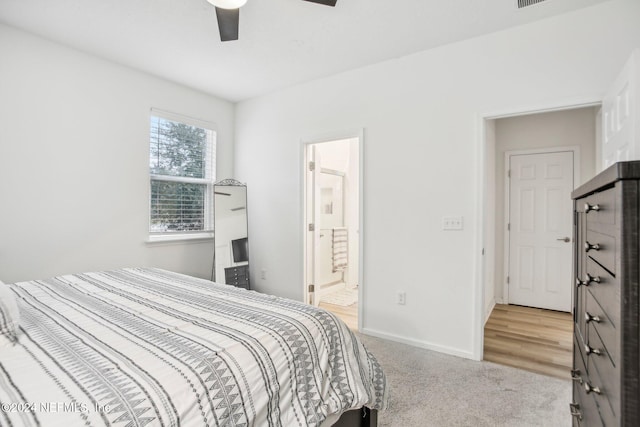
(209, 180)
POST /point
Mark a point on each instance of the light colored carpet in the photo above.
(344, 297)
(434, 389)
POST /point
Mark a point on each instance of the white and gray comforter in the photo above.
(147, 347)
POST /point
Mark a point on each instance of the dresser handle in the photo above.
(591, 350)
(589, 388)
(593, 279)
(588, 208)
(575, 410)
(588, 246)
(575, 375)
(580, 282)
(590, 318)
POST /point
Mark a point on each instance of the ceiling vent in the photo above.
(525, 3)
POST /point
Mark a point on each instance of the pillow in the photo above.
(9, 314)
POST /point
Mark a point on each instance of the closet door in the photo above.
(540, 216)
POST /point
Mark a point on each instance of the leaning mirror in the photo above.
(231, 258)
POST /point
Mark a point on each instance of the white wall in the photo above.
(74, 147)
(599, 137)
(421, 116)
(576, 127)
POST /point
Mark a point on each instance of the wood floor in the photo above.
(348, 315)
(527, 338)
(530, 338)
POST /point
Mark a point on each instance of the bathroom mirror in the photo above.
(231, 257)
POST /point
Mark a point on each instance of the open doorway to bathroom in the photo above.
(332, 227)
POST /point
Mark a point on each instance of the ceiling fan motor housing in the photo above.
(228, 14)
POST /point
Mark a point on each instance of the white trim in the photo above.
(304, 144)
(208, 181)
(569, 104)
(418, 343)
(478, 291)
(185, 179)
(176, 117)
(575, 150)
(487, 314)
(477, 334)
(177, 237)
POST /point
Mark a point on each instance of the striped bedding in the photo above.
(148, 347)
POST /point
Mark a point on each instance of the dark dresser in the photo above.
(237, 276)
(606, 358)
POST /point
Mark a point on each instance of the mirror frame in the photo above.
(229, 182)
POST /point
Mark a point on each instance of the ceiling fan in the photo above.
(228, 13)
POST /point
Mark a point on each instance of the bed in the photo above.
(149, 347)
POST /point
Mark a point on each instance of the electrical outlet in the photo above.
(401, 298)
(452, 223)
(263, 274)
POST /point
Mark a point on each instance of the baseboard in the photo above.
(420, 344)
(328, 288)
(487, 313)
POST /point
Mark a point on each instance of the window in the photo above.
(182, 173)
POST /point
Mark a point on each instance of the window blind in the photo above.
(182, 173)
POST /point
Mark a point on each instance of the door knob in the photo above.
(564, 239)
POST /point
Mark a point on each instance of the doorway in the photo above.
(555, 130)
(333, 273)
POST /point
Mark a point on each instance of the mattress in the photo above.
(149, 347)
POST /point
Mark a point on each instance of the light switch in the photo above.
(452, 223)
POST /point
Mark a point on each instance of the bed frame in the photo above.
(363, 417)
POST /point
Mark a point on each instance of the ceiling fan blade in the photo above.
(228, 23)
(324, 2)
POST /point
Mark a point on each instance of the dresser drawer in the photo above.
(585, 408)
(603, 375)
(236, 275)
(608, 394)
(598, 321)
(605, 289)
(237, 270)
(597, 354)
(243, 284)
(602, 248)
(599, 207)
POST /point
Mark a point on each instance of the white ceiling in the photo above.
(282, 42)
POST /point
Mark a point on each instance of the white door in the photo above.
(540, 230)
(621, 116)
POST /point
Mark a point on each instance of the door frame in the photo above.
(575, 149)
(304, 145)
(482, 210)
